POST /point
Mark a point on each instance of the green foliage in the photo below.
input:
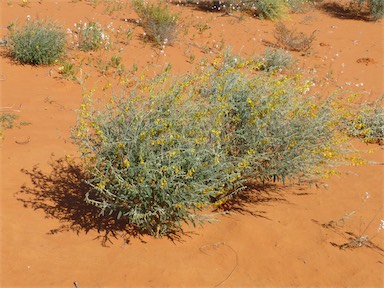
(37, 43)
(159, 24)
(368, 122)
(68, 70)
(270, 9)
(167, 150)
(291, 40)
(298, 6)
(91, 36)
(276, 59)
(7, 120)
(376, 7)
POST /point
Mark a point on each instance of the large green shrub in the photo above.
(160, 154)
(37, 43)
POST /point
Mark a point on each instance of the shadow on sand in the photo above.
(340, 11)
(60, 194)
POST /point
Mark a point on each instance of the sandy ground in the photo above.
(279, 237)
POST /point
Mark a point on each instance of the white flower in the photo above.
(381, 225)
(28, 17)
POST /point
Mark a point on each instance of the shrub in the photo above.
(195, 142)
(291, 40)
(276, 59)
(37, 43)
(368, 122)
(91, 36)
(298, 6)
(270, 9)
(376, 7)
(159, 24)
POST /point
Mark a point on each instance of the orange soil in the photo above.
(274, 240)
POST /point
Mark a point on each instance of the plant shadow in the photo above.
(60, 194)
(344, 12)
(244, 202)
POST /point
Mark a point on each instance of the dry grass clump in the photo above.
(289, 39)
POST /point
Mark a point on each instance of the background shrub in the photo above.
(37, 43)
(197, 141)
(270, 9)
(376, 7)
(159, 24)
(291, 40)
(91, 36)
(368, 122)
(276, 59)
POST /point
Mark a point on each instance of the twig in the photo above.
(23, 142)
(216, 245)
(10, 109)
(375, 163)
(76, 285)
(233, 269)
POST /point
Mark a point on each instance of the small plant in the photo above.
(159, 24)
(291, 40)
(91, 36)
(276, 59)
(36, 43)
(24, 3)
(68, 70)
(201, 27)
(365, 235)
(298, 6)
(7, 120)
(115, 61)
(368, 122)
(114, 6)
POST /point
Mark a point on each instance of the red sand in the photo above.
(275, 240)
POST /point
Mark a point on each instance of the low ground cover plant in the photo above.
(163, 152)
(36, 42)
(368, 122)
(159, 24)
(91, 36)
(276, 59)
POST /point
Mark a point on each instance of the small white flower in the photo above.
(28, 17)
(381, 225)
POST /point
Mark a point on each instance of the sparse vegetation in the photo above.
(159, 24)
(91, 36)
(368, 122)
(291, 40)
(68, 70)
(376, 7)
(36, 42)
(276, 59)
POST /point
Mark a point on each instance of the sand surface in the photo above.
(274, 239)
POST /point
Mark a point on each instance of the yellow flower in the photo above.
(126, 163)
